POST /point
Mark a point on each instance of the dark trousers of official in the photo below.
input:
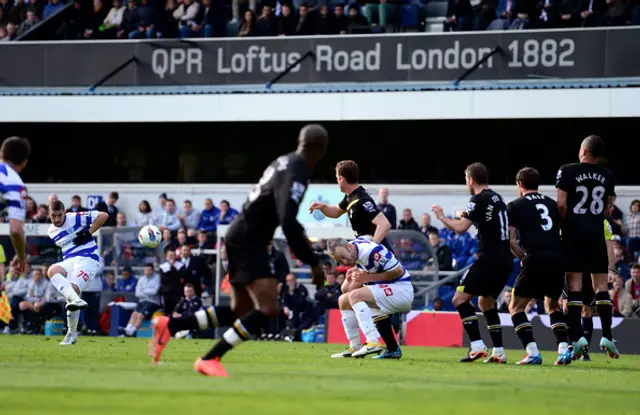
(91, 316)
(15, 311)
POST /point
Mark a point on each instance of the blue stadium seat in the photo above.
(409, 16)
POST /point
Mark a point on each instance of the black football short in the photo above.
(248, 264)
(586, 253)
(486, 277)
(541, 275)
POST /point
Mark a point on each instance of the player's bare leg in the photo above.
(605, 311)
(361, 301)
(559, 327)
(488, 307)
(263, 295)
(574, 313)
(71, 292)
(477, 349)
(211, 317)
(524, 331)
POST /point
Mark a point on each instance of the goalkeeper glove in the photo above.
(82, 238)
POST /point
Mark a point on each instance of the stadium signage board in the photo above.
(527, 55)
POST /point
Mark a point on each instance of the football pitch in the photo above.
(115, 376)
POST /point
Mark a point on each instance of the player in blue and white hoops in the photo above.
(377, 284)
(81, 261)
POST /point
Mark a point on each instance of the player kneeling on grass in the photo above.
(72, 232)
(378, 285)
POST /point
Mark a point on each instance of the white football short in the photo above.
(392, 298)
(80, 270)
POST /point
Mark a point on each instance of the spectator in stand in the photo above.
(407, 222)
(203, 243)
(387, 208)
(109, 282)
(209, 218)
(267, 24)
(195, 270)
(247, 25)
(76, 205)
(111, 23)
(278, 261)
(169, 218)
(11, 32)
(615, 218)
(296, 306)
(425, 225)
(358, 24)
(381, 9)
(442, 251)
(33, 302)
(145, 216)
(203, 22)
(18, 12)
(181, 239)
(54, 303)
(167, 24)
(127, 282)
(167, 240)
(147, 22)
(306, 23)
(227, 213)
(52, 198)
(632, 228)
(32, 207)
(37, 6)
(189, 217)
(162, 203)
(18, 286)
(622, 300)
(633, 284)
(130, 21)
(110, 207)
(325, 25)
(504, 15)
(30, 21)
(52, 7)
(5, 9)
(189, 304)
(171, 278)
(121, 220)
(235, 9)
(75, 22)
(459, 16)
(94, 19)
(148, 294)
(327, 296)
(287, 21)
(186, 14)
(42, 216)
(342, 27)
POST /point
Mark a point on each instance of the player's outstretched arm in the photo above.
(383, 226)
(16, 233)
(330, 211)
(98, 222)
(457, 225)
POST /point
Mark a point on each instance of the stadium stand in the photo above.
(104, 19)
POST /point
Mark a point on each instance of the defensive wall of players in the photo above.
(415, 66)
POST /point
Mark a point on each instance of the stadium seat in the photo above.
(232, 29)
(409, 17)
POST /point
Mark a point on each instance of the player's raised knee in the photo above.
(55, 269)
(344, 303)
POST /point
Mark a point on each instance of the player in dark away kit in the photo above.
(585, 193)
(273, 202)
(537, 219)
(366, 220)
(490, 272)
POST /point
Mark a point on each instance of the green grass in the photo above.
(115, 376)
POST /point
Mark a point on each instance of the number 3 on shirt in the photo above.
(386, 289)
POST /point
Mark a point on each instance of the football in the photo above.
(150, 236)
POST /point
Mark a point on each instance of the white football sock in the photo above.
(351, 330)
(532, 349)
(72, 320)
(498, 350)
(477, 345)
(130, 330)
(365, 320)
(64, 286)
(563, 347)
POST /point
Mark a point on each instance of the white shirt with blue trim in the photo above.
(64, 235)
(375, 258)
(12, 194)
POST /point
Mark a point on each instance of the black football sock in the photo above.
(385, 328)
(469, 321)
(574, 315)
(559, 327)
(207, 318)
(523, 328)
(587, 328)
(494, 326)
(605, 311)
(241, 330)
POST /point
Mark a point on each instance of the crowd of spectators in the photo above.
(133, 19)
